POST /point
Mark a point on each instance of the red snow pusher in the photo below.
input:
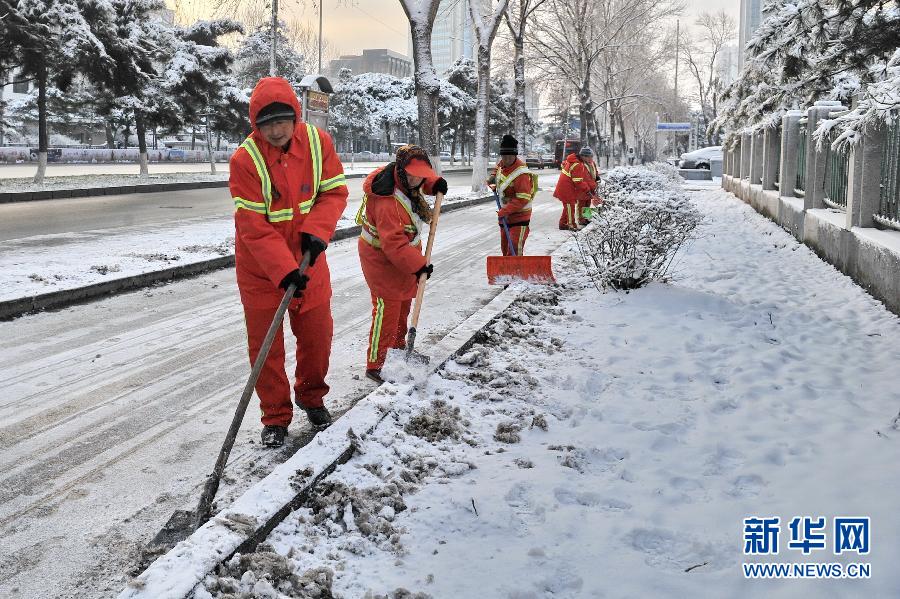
(502, 270)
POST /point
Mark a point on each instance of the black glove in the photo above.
(440, 186)
(425, 270)
(313, 245)
(297, 279)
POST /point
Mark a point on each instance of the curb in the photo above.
(67, 297)
(10, 197)
(249, 520)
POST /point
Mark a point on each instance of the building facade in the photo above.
(452, 37)
(378, 60)
(727, 67)
(751, 17)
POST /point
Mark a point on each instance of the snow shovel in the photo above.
(183, 523)
(420, 292)
(502, 269)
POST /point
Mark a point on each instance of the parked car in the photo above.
(445, 156)
(533, 160)
(701, 158)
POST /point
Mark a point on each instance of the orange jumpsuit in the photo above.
(514, 185)
(574, 186)
(390, 253)
(277, 196)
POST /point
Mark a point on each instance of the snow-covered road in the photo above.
(112, 412)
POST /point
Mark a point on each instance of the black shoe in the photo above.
(375, 375)
(320, 418)
(273, 435)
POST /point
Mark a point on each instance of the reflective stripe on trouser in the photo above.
(584, 211)
(313, 330)
(568, 214)
(518, 236)
(388, 329)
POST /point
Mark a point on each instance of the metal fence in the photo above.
(838, 164)
(800, 184)
(889, 204)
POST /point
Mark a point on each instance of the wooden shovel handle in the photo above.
(420, 292)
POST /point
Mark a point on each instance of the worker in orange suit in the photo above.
(575, 187)
(590, 176)
(289, 191)
(516, 187)
(392, 218)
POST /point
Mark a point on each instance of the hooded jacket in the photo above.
(517, 196)
(389, 268)
(270, 218)
(576, 180)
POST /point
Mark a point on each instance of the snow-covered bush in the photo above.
(667, 170)
(630, 179)
(636, 234)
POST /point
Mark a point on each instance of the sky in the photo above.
(352, 25)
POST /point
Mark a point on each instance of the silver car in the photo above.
(701, 158)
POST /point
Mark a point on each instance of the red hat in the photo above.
(418, 167)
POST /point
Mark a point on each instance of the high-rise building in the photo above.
(452, 37)
(727, 64)
(378, 60)
(751, 17)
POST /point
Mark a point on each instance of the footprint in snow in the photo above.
(590, 499)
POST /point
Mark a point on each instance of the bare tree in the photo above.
(516, 17)
(421, 15)
(700, 53)
(572, 35)
(485, 27)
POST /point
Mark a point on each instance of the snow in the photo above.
(606, 444)
(46, 263)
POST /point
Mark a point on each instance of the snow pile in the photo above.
(643, 223)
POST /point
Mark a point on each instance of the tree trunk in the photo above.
(427, 89)
(612, 133)
(43, 136)
(3, 79)
(142, 141)
(193, 138)
(584, 107)
(622, 138)
(110, 137)
(483, 98)
(209, 152)
(520, 92)
(453, 145)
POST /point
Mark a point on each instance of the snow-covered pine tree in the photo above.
(807, 50)
(137, 40)
(252, 57)
(51, 38)
(197, 76)
(457, 106)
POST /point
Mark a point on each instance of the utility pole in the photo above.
(320, 36)
(272, 69)
(677, 55)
